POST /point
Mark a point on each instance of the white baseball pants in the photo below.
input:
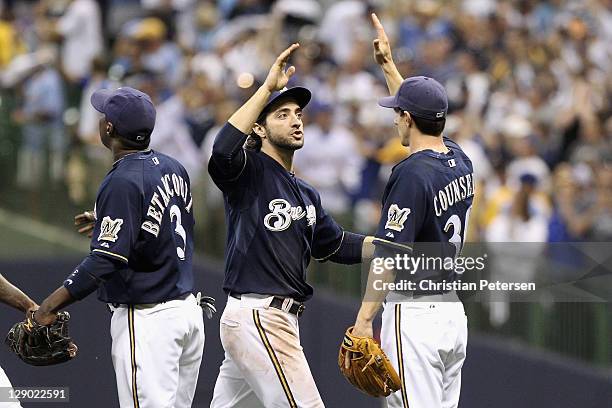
(157, 350)
(5, 382)
(426, 343)
(264, 362)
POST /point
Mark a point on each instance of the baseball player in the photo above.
(141, 261)
(427, 200)
(275, 224)
(12, 296)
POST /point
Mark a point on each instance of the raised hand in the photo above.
(85, 223)
(382, 49)
(278, 77)
(384, 58)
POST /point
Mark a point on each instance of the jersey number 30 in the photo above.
(458, 237)
(179, 230)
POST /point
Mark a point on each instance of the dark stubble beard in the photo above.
(284, 142)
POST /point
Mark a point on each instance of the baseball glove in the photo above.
(368, 367)
(40, 345)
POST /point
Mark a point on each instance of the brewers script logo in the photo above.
(109, 229)
(396, 217)
(282, 214)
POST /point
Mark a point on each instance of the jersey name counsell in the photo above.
(282, 214)
(170, 185)
(457, 190)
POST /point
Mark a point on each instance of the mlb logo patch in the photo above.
(451, 163)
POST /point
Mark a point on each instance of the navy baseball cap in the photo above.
(420, 96)
(129, 110)
(299, 94)
(528, 178)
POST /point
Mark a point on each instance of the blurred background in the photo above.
(529, 85)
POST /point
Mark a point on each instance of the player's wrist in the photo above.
(267, 89)
(50, 305)
(363, 328)
(43, 318)
(388, 66)
(28, 305)
(263, 94)
(364, 318)
(43, 309)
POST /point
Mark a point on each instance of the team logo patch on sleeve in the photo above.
(109, 229)
(396, 217)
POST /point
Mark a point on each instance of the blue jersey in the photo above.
(275, 224)
(144, 223)
(428, 200)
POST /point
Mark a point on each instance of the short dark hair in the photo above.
(132, 144)
(429, 127)
(254, 142)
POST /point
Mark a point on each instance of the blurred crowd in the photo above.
(529, 85)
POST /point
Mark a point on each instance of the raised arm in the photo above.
(244, 118)
(384, 58)
(228, 159)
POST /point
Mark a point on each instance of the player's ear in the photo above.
(259, 130)
(408, 119)
(109, 129)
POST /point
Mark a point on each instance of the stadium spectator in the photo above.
(80, 28)
(329, 160)
(528, 83)
(40, 117)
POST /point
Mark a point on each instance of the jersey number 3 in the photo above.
(175, 213)
(457, 239)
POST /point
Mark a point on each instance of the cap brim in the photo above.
(388, 102)
(299, 94)
(98, 99)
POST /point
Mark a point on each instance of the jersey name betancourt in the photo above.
(282, 214)
(171, 185)
(457, 190)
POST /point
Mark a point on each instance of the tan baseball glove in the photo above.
(367, 366)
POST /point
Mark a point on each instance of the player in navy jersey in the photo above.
(426, 207)
(275, 224)
(141, 260)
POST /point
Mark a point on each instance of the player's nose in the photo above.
(296, 121)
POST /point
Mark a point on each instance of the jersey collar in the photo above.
(428, 152)
(132, 155)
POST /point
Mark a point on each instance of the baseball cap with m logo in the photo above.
(420, 96)
(129, 110)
